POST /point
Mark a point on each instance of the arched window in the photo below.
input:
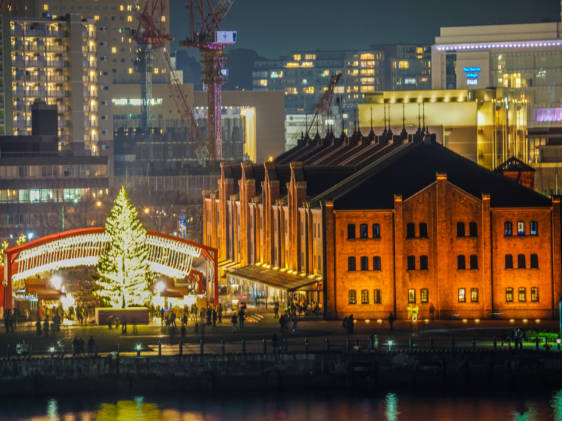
(461, 263)
(473, 229)
(351, 265)
(376, 231)
(473, 261)
(363, 231)
(410, 230)
(508, 261)
(423, 230)
(351, 231)
(521, 261)
(534, 261)
(534, 228)
(460, 229)
(508, 229)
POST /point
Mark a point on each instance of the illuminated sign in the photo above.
(135, 101)
(548, 115)
(472, 74)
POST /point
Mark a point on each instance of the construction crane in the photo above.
(150, 36)
(205, 35)
(326, 100)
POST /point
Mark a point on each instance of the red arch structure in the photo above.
(168, 255)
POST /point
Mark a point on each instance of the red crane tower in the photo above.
(150, 36)
(206, 36)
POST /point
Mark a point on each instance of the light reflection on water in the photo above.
(383, 407)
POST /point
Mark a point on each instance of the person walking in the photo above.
(390, 320)
(214, 317)
(276, 309)
(219, 313)
(241, 317)
(91, 346)
(234, 320)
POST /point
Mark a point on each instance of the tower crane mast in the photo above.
(206, 36)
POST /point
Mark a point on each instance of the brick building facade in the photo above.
(382, 225)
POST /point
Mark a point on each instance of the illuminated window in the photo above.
(129, 8)
(534, 294)
(419, 50)
(474, 295)
(508, 229)
(509, 295)
(424, 295)
(367, 80)
(520, 228)
(367, 89)
(162, 19)
(297, 57)
(364, 296)
(367, 56)
(121, 7)
(262, 82)
(96, 17)
(522, 295)
(310, 57)
(292, 65)
(353, 72)
(403, 64)
(45, 7)
(309, 90)
(367, 72)
(534, 226)
(113, 50)
(411, 296)
(462, 295)
(156, 70)
(129, 18)
(325, 73)
(307, 64)
(130, 71)
(352, 296)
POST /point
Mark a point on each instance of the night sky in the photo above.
(275, 27)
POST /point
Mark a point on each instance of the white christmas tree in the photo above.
(123, 277)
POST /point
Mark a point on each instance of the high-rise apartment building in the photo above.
(406, 66)
(53, 61)
(304, 77)
(117, 52)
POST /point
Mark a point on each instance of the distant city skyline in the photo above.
(275, 28)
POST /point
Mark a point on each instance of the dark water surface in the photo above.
(315, 407)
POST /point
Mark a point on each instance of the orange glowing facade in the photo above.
(388, 225)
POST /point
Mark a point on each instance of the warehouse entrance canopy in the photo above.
(280, 279)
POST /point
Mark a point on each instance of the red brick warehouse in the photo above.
(389, 225)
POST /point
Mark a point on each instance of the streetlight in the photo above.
(99, 204)
(146, 211)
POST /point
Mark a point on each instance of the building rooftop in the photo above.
(413, 167)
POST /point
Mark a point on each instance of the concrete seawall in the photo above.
(273, 372)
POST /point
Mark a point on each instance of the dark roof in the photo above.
(513, 164)
(412, 167)
(319, 179)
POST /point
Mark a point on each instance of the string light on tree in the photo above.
(123, 276)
